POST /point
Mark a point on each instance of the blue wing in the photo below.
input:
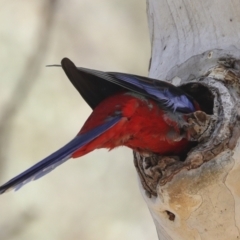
(166, 94)
(94, 86)
(60, 156)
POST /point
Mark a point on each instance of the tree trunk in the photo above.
(196, 44)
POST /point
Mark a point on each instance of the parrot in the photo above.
(144, 114)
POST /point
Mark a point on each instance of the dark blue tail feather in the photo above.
(60, 156)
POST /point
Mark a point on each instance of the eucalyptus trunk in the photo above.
(196, 44)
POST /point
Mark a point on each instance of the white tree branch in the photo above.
(198, 198)
(183, 30)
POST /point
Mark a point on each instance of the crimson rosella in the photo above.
(144, 114)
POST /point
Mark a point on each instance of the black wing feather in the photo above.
(95, 86)
(93, 89)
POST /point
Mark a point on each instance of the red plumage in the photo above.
(144, 127)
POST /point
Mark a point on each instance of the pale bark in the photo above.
(198, 198)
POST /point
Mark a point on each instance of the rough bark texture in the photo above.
(199, 196)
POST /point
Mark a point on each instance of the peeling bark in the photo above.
(196, 45)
